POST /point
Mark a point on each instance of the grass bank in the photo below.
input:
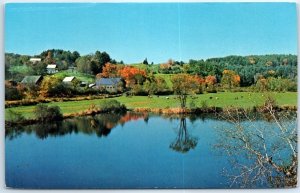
(222, 99)
(43, 112)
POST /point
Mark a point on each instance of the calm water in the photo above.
(120, 151)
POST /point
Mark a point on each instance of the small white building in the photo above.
(52, 68)
(68, 79)
(35, 60)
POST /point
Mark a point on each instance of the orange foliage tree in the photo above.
(210, 80)
(199, 79)
(132, 75)
(109, 71)
(230, 79)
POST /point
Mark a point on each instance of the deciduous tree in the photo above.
(109, 70)
(230, 79)
(210, 80)
(184, 84)
(132, 75)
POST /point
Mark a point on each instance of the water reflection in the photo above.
(101, 125)
(251, 149)
(183, 142)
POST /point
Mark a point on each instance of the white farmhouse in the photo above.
(52, 68)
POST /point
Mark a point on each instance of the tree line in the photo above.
(275, 72)
(249, 68)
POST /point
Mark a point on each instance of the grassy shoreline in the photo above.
(246, 100)
(160, 111)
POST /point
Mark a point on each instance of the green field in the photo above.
(153, 68)
(222, 99)
(20, 69)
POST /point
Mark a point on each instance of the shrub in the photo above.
(14, 91)
(13, 94)
(138, 90)
(270, 102)
(261, 85)
(111, 105)
(269, 105)
(211, 90)
(204, 104)
(44, 113)
(281, 84)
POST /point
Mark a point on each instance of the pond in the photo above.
(132, 150)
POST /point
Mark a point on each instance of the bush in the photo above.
(111, 105)
(204, 104)
(281, 84)
(270, 102)
(44, 113)
(13, 94)
(211, 90)
(138, 90)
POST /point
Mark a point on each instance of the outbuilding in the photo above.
(52, 68)
(109, 84)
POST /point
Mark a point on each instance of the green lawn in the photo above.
(222, 99)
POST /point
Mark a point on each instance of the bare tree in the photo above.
(261, 155)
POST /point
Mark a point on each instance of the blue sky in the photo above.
(158, 31)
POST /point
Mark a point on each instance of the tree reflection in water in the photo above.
(183, 142)
(101, 125)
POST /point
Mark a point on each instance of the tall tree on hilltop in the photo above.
(145, 61)
(49, 58)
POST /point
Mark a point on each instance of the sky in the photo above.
(157, 31)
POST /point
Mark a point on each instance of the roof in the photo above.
(31, 79)
(51, 66)
(68, 79)
(92, 85)
(35, 59)
(107, 81)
